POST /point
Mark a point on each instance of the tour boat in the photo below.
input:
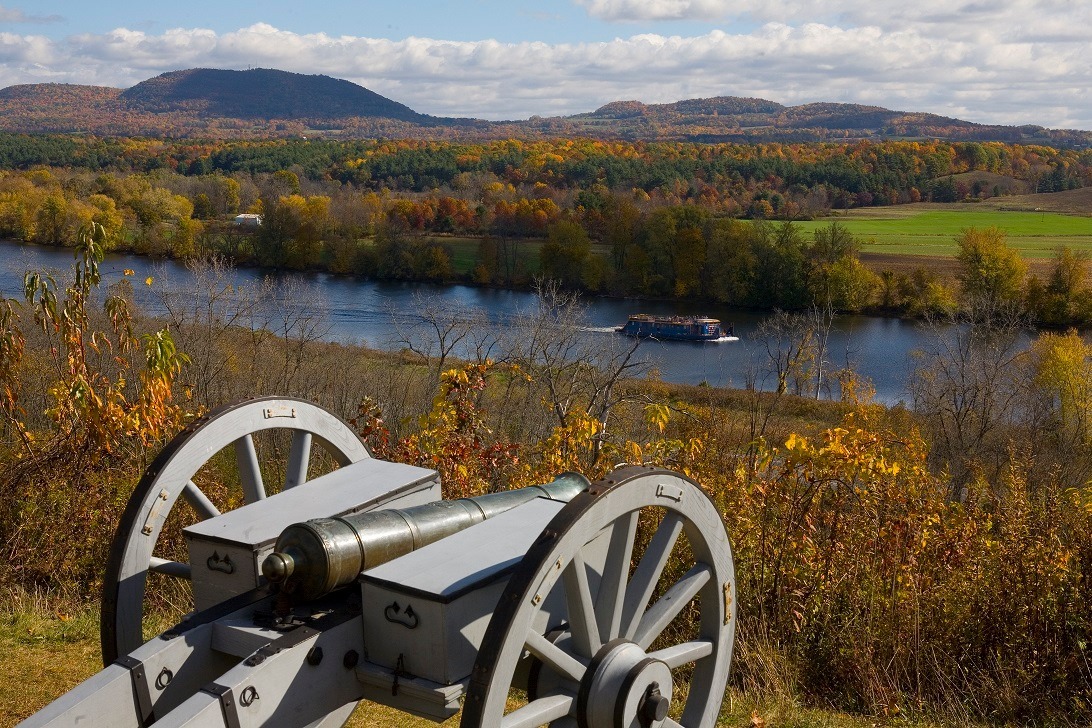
(676, 328)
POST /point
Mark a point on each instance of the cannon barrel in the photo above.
(315, 557)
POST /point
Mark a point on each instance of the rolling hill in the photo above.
(262, 93)
(223, 104)
(735, 119)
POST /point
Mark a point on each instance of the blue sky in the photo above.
(512, 21)
(1001, 61)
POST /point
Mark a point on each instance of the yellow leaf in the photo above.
(130, 272)
(148, 281)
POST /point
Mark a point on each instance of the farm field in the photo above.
(915, 230)
(898, 236)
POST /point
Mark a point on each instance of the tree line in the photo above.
(795, 179)
(486, 231)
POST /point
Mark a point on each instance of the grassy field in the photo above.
(914, 230)
(464, 251)
(47, 652)
(898, 236)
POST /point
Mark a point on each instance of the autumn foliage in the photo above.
(863, 583)
(108, 405)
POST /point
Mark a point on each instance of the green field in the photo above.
(905, 230)
(464, 251)
(933, 232)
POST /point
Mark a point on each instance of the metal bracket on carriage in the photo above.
(407, 618)
(282, 622)
(400, 671)
(219, 563)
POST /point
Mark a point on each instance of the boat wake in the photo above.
(598, 329)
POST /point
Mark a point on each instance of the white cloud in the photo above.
(985, 20)
(15, 15)
(635, 10)
(987, 74)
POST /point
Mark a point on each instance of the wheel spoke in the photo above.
(556, 658)
(660, 614)
(578, 599)
(250, 473)
(170, 568)
(678, 655)
(298, 459)
(200, 502)
(539, 712)
(172, 479)
(671, 723)
(608, 607)
(647, 574)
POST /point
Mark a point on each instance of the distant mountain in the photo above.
(736, 119)
(262, 93)
(211, 103)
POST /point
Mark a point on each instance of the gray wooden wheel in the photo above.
(614, 660)
(133, 551)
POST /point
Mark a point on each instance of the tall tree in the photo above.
(565, 253)
(988, 268)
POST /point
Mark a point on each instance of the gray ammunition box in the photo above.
(425, 613)
(227, 551)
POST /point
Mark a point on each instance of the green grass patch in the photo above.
(527, 251)
(464, 251)
(1033, 234)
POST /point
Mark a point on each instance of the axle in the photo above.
(315, 557)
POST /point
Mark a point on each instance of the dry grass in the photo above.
(48, 650)
(1070, 202)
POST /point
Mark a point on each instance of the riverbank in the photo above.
(888, 262)
(383, 315)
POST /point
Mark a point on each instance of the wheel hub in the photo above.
(624, 688)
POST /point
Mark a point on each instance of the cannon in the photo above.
(565, 604)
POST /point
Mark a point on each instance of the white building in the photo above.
(248, 220)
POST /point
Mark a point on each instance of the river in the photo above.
(359, 311)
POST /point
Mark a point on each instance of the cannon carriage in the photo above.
(566, 604)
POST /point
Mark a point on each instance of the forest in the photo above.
(708, 223)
